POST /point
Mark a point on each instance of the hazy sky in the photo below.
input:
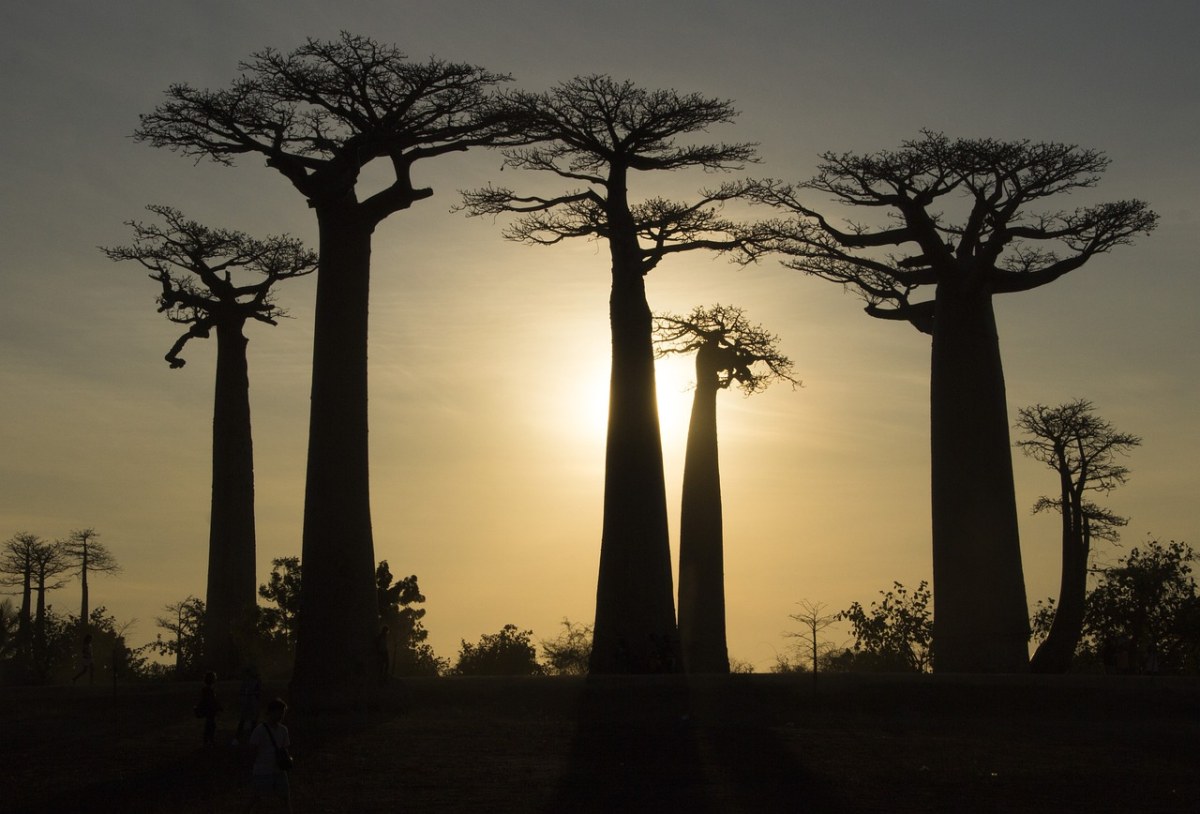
(489, 359)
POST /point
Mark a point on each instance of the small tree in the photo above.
(410, 655)
(87, 555)
(896, 633)
(507, 653)
(568, 653)
(184, 621)
(728, 350)
(17, 566)
(283, 589)
(1083, 449)
(596, 134)
(964, 223)
(812, 615)
(1143, 616)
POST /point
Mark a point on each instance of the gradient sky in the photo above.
(489, 360)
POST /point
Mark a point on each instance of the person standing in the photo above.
(208, 707)
(86, 663)
(270, 742)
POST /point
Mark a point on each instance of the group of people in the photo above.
(268, 742)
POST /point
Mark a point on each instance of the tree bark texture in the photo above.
(701, 540)
(980, 615)
(635, 629)
(230, 597)
(338, 618)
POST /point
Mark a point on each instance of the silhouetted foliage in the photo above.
(218, 280)
(282, 588)
(963, 225)
(34, 566)
(507, 653)
(184, 621)
(1082, 449)
(728, 349)
(894, 634)
(595, 133)
(1143, 616)
(568, 653)
(87, 555)
(409, 653)
(319, 115)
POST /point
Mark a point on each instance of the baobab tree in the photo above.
(17, 566)
(87, 555)
(217, 280)
(1084, 450)
(965, 224)
(728, 350)
(595, 132)
(319, 115)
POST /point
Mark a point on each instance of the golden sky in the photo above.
(489, 360)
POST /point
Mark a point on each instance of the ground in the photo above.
(714, 744)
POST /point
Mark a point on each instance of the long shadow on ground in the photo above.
(669, 744)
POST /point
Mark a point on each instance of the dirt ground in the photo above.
(734, 744)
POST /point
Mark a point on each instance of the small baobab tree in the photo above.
(218, 280)
(319, 115)
(961, 221)
(87, 556)
(728, 350)
(1085, 451)
(596, 133)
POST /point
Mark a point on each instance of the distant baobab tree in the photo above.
(965, 225)
(87, 555)
(595, 133)
(218, 280)
(1083, 449)
(319, 115)
(18, 565)
(728, 350)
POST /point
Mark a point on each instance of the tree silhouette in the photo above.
(728, 349)
(283, 589)
(595, 132)
(1083, 449)
(87, 555)
(17, 567)
(963, 223)
(218, 280)
(406, 635)
(507, 653)
(185, 621)
(319, 115)
(812, 615)
(896, 633)
(1144, 614)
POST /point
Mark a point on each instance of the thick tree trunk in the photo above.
(1055, 654)
(339, 617)
(230, 598)
(980, 619)
(701, 542)
(635, 629)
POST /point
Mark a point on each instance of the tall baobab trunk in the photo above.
(980, 615)
(339, 617)
(83, 583)
(1054, 655)
(635, 629)
(230, 597)
(701, 539)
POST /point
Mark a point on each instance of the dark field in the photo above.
(739, 744)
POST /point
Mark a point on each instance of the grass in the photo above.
(734, 744)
